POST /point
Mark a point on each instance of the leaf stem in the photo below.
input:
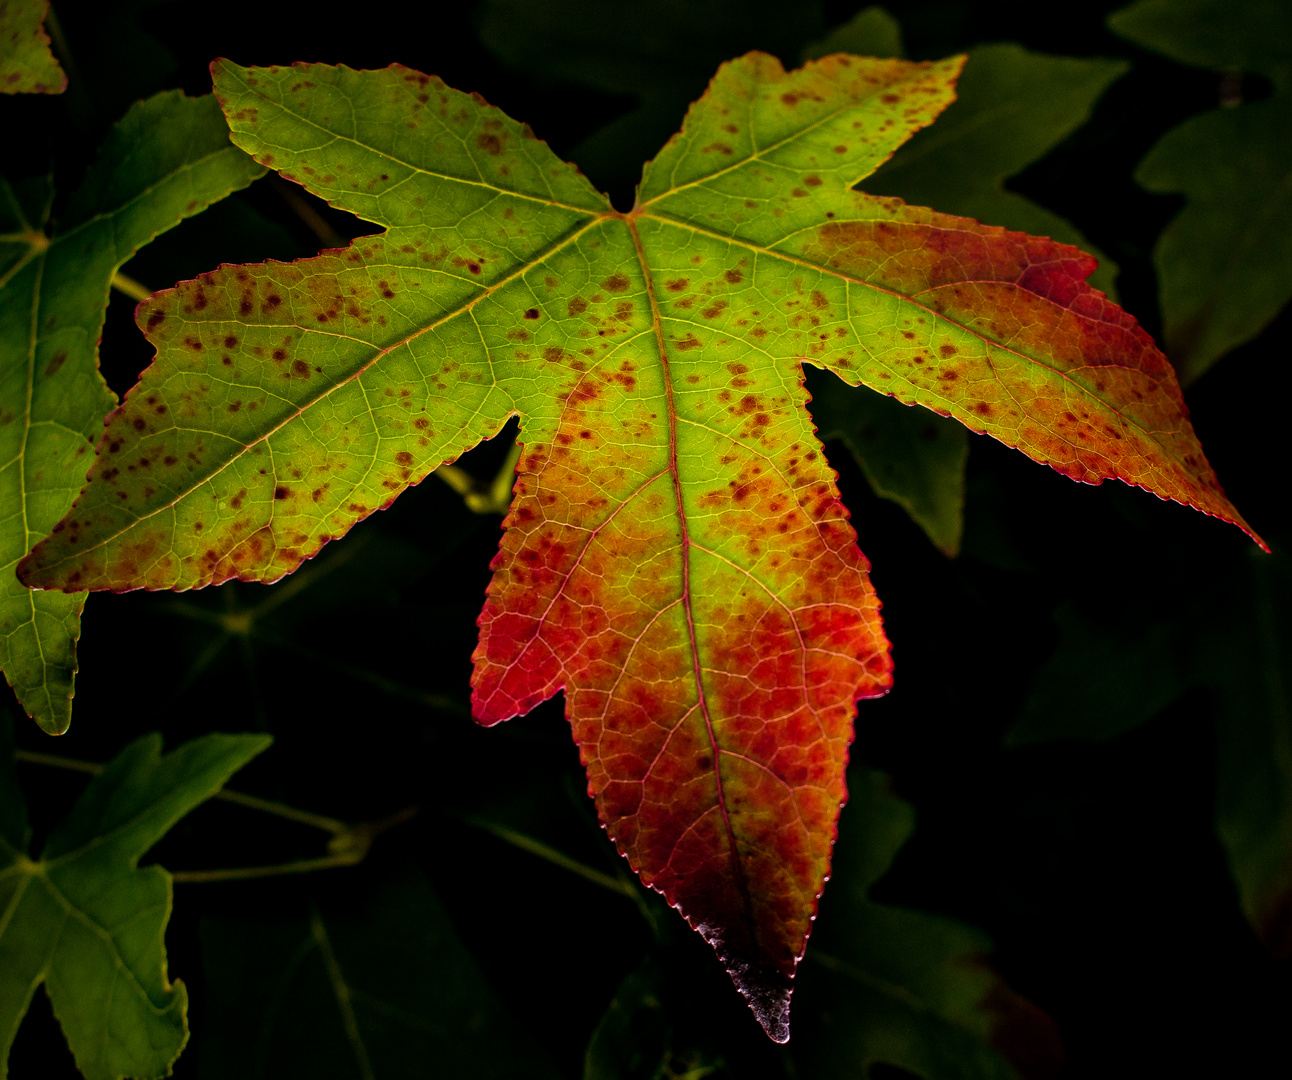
(496, 498)
(555, 857)
(130, 287)
(290, 813)
(246, 873)
(348, 847)
(312, 219)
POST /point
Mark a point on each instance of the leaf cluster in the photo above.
(1091, 714)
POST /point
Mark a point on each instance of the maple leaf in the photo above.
(168, 158)
(676, 557)
(27, 64)
(87, 921)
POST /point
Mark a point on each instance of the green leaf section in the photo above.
(87, 922)
(355, 987)
(1224, 265)
(901, 987)
(1115, 671)
(27, 65)
(1012, 107)
(167, 159)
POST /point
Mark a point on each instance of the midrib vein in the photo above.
(715, 750)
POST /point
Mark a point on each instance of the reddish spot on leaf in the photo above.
(676, 558)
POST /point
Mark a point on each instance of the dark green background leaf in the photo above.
(366, 980)
(88, 923)
(1225, 263)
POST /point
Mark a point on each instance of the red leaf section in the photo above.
(1118, 411)
(712, 705)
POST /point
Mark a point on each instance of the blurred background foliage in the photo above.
(1068, 851)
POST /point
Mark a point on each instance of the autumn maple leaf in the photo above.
(676, 557)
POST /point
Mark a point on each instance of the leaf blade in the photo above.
(676, 560)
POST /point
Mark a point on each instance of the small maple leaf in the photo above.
(676, 557)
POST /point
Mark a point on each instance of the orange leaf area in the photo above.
(676, 559)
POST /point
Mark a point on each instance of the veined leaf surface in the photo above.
(676, 558)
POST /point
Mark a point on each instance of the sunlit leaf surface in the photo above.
(676, 557)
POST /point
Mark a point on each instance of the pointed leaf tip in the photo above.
(677, 559)
(767, 992)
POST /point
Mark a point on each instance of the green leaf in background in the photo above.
(167, 159)
(1245, 661)
(27, 66)
(632, 1040)
(1012, 107)
(1115, 668)
(356, 987)
(887, 984)
(1114, 672)
(910, 456)
(87, 922)
(1224, 265)
(871, 32)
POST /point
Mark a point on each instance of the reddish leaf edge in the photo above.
(27, 567)
(767, 991)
